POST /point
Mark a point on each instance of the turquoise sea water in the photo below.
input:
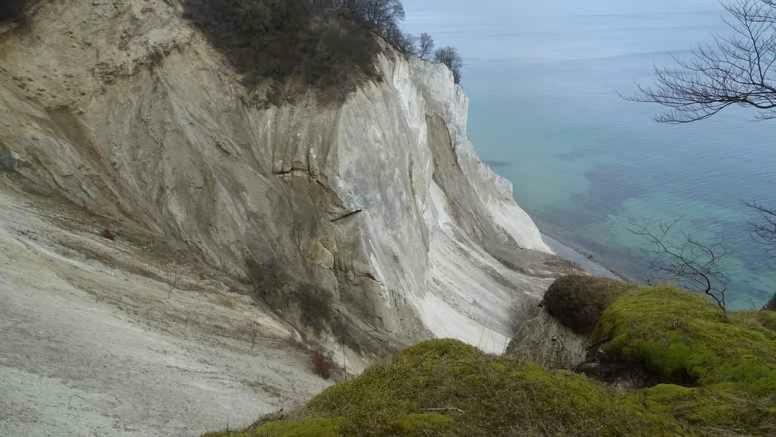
(546, 111)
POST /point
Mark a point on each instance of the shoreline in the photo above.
(581, 257)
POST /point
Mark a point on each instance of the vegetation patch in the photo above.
(283, 293)
(729, 362)
(723, 409)
(678, 334)
(329, 45)
(304, 304)
(579, 301)
(322, 364)
(446, 388)
(290, 428)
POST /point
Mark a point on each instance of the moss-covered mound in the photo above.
(578, 301)
(682, 337)
(726, 365)
(446, 388)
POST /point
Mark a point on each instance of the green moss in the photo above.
(767, 319)
(313, 426)
(719, 407)
(446, 388)
(291, 428)
(683, 337)
(729, 361)
(423, 424)
(578, 301)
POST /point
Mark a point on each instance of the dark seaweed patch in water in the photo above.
(583, 153)
(498, 164)
(610, 187)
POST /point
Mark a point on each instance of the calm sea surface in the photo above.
(546, 112)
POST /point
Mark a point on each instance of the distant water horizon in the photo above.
(545, 83)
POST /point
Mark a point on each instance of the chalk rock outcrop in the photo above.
(360, 227)
(542, 339)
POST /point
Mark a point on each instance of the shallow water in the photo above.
(545, 83)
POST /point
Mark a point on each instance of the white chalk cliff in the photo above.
(167, 241)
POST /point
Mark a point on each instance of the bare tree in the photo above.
(450, 57)
(403, 42)
(764, 229)
(737, 69)
(694, 264)
(764, 232)
(381, 14)
(425, 46)
(734, 70)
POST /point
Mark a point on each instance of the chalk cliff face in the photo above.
(360, 226)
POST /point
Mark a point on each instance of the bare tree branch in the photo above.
(764, 229)
(736, 69)
(425, 46)
(764, 232)
(450, 57)
(694, 264)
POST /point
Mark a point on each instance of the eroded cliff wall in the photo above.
(360, 226)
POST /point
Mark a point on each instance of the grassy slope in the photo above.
(730, 362)
(446, 388)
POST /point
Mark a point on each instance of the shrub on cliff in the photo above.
(578, 301)
(308, 307)
(281, 39)
(329, 44)
(450, 57)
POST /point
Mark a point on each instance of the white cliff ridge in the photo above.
(146, 190)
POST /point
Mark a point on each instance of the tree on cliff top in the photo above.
(450, 57)
(330, 44)
(380, 14)
(425, 46)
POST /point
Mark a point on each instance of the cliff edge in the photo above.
(154, 210)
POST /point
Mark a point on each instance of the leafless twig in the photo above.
(764, 229)
(695, 264)
(735, 69)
